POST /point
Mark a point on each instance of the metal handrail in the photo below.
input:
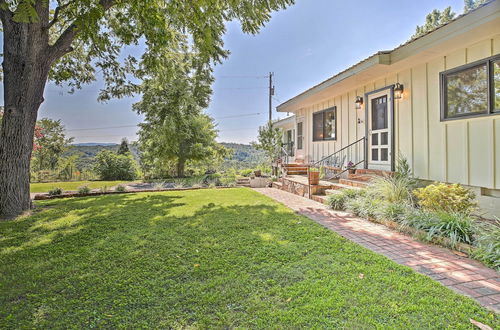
(338, 151)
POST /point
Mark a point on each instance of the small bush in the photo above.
(121, 188)
(487, 242)
(84, 190)
(103, 189)
(246, 172)
(55, 192)
(452, 198)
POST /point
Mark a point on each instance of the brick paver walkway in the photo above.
(463, 275)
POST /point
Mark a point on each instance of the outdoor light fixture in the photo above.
(398, 91)
(359, 102)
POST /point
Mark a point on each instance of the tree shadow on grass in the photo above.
(170, 260)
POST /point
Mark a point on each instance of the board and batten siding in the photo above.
(465, 151)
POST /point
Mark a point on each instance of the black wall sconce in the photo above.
(398, 91)
(358, 102)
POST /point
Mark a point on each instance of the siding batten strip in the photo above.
(427, 119)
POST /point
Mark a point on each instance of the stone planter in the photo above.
(314, 177)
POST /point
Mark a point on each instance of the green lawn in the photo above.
(73, 185)
(207, 258)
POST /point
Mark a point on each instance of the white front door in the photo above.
(379, 108)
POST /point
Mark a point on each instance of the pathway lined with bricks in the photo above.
(461, 274)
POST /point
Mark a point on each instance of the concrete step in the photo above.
(354, 183)
(338, 188)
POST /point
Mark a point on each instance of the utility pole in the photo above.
(271, 93)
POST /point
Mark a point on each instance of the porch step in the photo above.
(319, 198)
(243, 182)
(296, 172)
(339, 186)
(277, 185)
(354, 183)
(362, 177)
(373, 172)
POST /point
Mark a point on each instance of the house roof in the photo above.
(381, 57)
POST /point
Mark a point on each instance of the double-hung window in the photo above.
(471, 90)
(325, 125)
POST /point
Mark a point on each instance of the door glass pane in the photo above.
(467, 91)
(496, 84)
(379, 113)
(384, 138)
(374, 154)
(384, 154)
(375, 139)
(330, 125)
(318, 126)
(299, 135)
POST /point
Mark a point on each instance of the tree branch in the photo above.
(56, 14)
(62, 46)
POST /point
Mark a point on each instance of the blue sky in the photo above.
(303, 45)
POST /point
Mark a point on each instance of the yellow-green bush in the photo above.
(446, 197)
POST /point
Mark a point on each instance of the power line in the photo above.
(129, 126)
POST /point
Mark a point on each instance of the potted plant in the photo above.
(351, 167)
(314, 175)
(257, 173)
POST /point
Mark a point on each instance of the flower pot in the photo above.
(313, 177)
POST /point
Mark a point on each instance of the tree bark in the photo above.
(26, 66)
(181, 164)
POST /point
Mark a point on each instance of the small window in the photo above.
(496, 85)
(299, 136)
(325, 125)
(471, 90)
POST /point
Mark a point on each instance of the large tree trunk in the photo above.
(25, 69)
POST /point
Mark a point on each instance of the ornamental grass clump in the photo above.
(441, 197)
(487, 243)
(338, 200)
(457, 227)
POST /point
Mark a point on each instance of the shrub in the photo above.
(228, 178)
(487, 242)
(459, 228)
(103, 189)
(246, 172)
(451, 198)
(55, 192)
(84, 190)
(110, 166)
(120, 188)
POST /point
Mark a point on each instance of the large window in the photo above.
(325, 125)
(471, 90)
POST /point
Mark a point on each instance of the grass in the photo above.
(205, 259)
(71, 185)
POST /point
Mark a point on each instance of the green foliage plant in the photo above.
(84, 190)
(452, 198)
(487, 243)
(121, 188)
(55, 192)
